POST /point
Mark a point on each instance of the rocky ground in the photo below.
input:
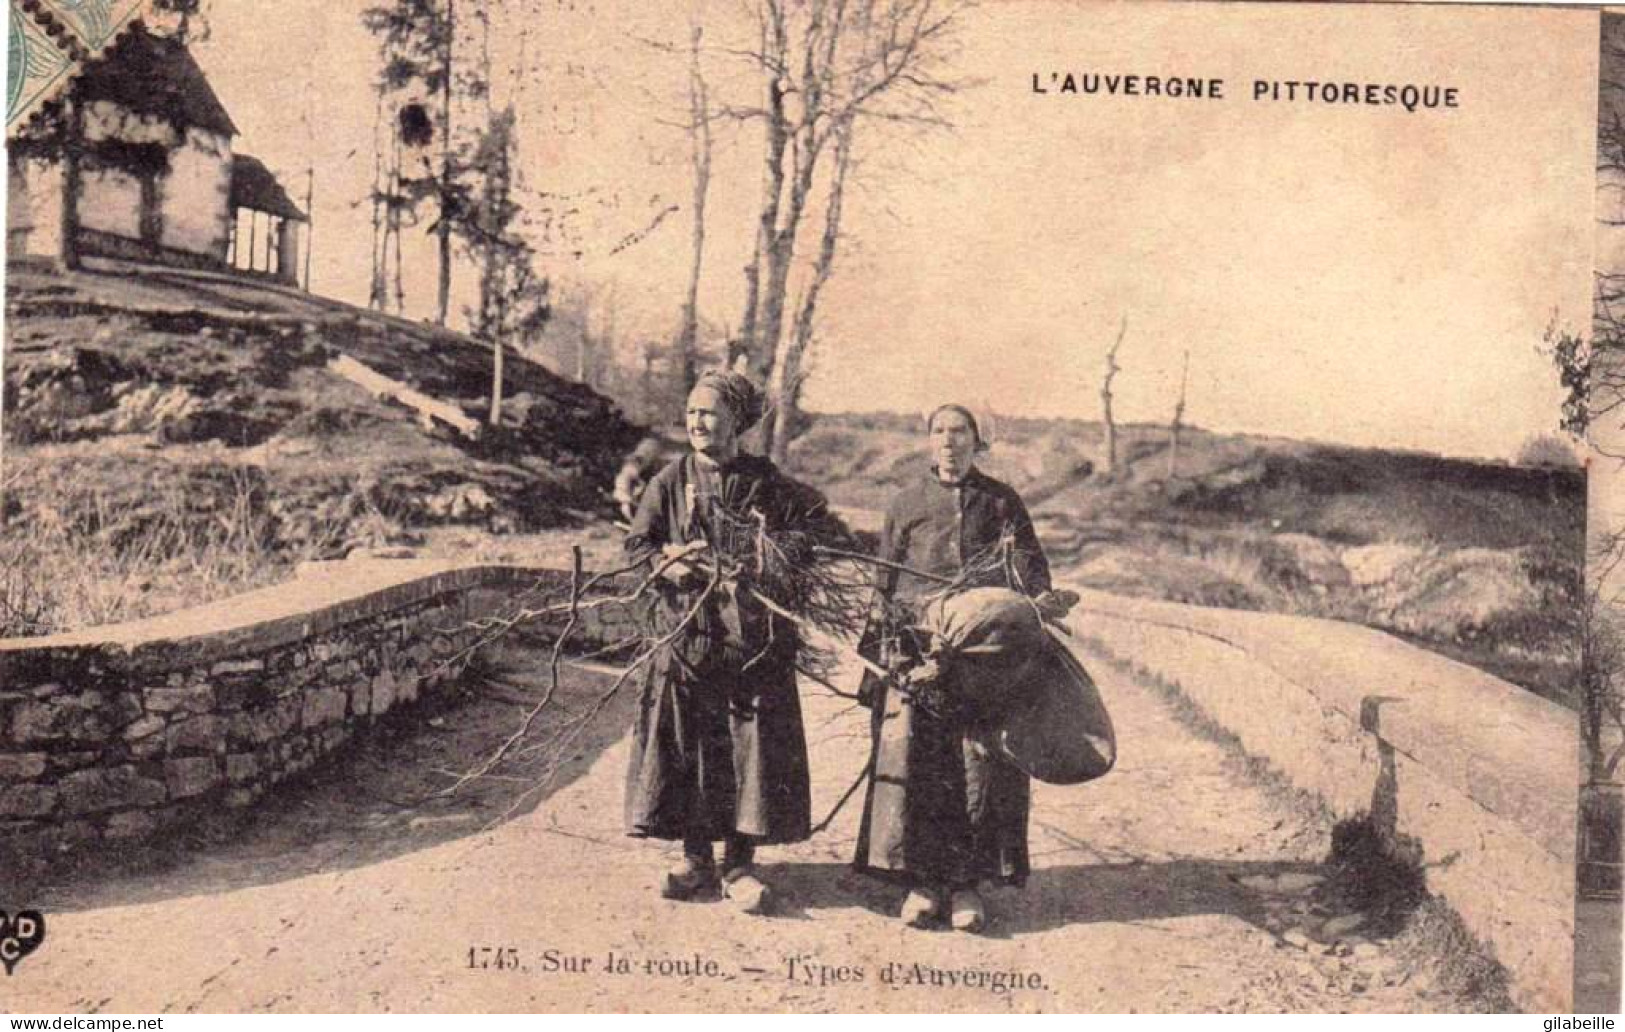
(1173, 884)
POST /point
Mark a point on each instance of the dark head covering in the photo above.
(970, 417)
(736, 392)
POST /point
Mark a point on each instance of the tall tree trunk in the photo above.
(700, 119)
(786, 386)
(73, 142)
(1112, 369)
(1178, 423)
(378, 292)
(310, 218)
(443, 295)
(395, 204)
(806, 143)
(496, 379)
(775, 47)
(775, 344)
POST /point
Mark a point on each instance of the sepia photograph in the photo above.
(903, 506)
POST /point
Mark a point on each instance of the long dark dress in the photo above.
(938, 811)
(718, 744)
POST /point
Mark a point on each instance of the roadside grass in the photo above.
(106, 563)
(1381, 874)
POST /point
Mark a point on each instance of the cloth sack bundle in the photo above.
(1018, 686)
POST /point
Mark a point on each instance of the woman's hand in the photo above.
(678, 564)
(1055, 605)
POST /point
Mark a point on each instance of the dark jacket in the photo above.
(939, 811)
(940, 529)
(718, 744)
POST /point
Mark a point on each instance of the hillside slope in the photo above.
(156, 413)
(1479, 560)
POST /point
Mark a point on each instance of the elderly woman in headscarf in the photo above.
(719, 752)
(942, 814)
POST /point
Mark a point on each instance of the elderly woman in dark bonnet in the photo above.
(719, 752)
(942, 815)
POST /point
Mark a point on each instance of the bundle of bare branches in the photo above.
(826, 591)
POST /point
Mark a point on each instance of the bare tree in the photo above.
(1178, 423)
(824, 66)
(1109, 456)
(1602, 660)
(446, 187)
(514, 298)
(789, 362)
(421, 76)
(699, 128)
(73, 148)
(1593, 373)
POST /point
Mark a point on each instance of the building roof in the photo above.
(253, 186)
(156, 75)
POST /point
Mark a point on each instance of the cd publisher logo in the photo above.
(20, 934)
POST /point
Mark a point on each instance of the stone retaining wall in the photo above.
(118, 733)
(1478, 772)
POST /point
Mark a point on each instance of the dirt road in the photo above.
(1171, 885)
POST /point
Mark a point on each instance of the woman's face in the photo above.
(953, 444)
(711, 429)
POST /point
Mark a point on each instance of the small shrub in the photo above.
(1547, 450)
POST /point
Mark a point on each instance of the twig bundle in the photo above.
(791, 571)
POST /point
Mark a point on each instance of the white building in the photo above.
(158, 178)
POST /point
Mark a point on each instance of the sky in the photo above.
(1357, 274)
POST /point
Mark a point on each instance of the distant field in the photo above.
(1478, 560)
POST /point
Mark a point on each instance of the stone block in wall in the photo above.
(67, 717)
(227, 667)
(323, 706)
(61, 762)
(384, 690)
(21, 766)
(124, 708)
(147, 748)
(242, 767)
(361, 699)
(246, 795)
(144, 728)
(236, 693)
(190, 699)
(191, 775)
(258, 726)
(28, 800)
(91, 791)
(334, 737)
(132, 824)
(198, 734)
